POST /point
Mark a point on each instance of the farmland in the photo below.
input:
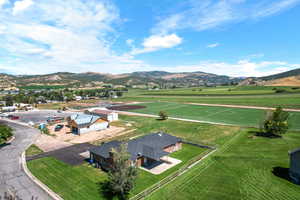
(234, 116)
(246, 167)
(83, 181)
(245, 95)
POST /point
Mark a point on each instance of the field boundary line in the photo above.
(241, 106)
(174, 118)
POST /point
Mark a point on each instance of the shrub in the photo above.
(5, 133)
(280, 90)
(295, 88)
(163, 115)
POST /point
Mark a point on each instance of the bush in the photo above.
(45, 131)
(163, 115)
(280, 90)
(5, 133)
(295, 88)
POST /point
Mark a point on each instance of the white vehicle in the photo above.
(3, 115)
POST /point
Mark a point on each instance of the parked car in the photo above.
(55, 119)
(13, 117)
(58, 127)
(3, 115)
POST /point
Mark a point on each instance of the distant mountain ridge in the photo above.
(135, 78)
(288, 78)
(147, 78)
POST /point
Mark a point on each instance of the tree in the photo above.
(163, 115)
(119, 93)
(122, 174)
(45, 131)
(276, 122)
(5, 133)
(9, 100)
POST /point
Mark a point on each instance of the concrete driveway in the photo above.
(12, 176)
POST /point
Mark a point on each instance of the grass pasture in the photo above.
(238, 95)
(224, 90)
(244, 168)
(234, 116)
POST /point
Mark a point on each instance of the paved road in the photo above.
(12, 176)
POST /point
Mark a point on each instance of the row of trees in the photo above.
(32, 97)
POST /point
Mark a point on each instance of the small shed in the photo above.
(295, 165)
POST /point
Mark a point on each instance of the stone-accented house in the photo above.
(295, 165)
(105, 114)
(144, 151)
(83, 123)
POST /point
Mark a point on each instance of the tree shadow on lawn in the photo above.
(264, 134)
(105, 191)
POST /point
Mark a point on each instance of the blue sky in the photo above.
(230, 37)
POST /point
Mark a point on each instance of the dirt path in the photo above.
(240, 106)
(174, 118)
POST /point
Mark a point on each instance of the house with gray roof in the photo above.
(83, 123)
(144, 151)
(294, 170)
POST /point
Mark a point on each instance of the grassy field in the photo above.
(84, 182)
(240, 169)
(246, 95)
(235, 116)
(223, 90)
(244, 168)
(189, 131)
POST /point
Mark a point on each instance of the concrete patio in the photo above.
(160, 167)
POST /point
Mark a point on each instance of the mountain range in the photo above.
(92, 79)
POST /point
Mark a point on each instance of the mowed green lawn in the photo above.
(241, 169)
(234, 116)
(84, 182)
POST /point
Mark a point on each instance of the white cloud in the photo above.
(213, 45)
(130, 42)
(55, 35)
(157, 42)
(207, 14)
(241, 68)
(2, 2)
(22, 5)
(274, 8)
